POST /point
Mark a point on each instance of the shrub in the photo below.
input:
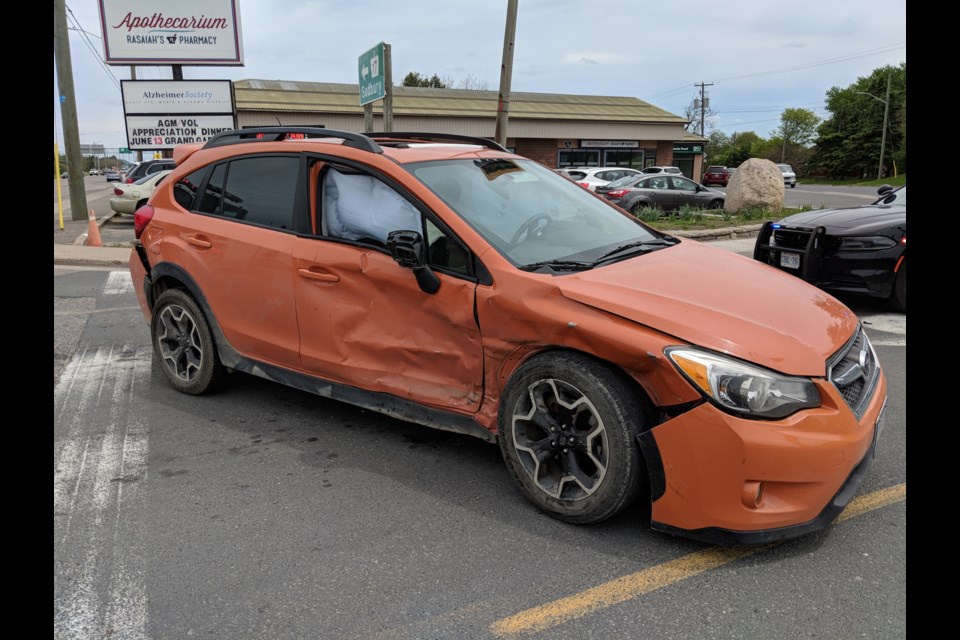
(650, 214)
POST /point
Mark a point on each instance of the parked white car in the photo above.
(592, 177)
(789, 176)
(673, 170)
(130, 197)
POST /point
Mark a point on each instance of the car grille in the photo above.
(854, 371)
(792, 238)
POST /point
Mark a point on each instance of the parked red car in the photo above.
(716, 175)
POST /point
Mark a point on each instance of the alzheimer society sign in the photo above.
(190, 32)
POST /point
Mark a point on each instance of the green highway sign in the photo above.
(370, 69)
(124, 150)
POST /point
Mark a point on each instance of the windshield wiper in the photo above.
(641, 245)
(559, 265)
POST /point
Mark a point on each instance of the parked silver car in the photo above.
(667, 191)
(592, 177)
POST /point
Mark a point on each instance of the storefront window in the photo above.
(578, 158)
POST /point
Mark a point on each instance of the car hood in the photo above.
(721, 301)
(850, 220)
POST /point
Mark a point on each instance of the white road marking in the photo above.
(99, 476)
(118, 282)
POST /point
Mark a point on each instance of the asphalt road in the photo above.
(264, 512)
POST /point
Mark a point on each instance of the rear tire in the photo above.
(567, 428)
(898, 297)
(183, 344)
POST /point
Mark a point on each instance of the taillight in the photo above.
(141, 218)
(116, 191)
(585, 185)
(617, 193)
(128, 181)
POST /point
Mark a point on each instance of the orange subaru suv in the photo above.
(442, 280)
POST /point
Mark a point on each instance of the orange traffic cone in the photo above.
(93, 232)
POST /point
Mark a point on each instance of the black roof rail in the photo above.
(434, 137)
(274, 134)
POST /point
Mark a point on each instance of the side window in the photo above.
(444, 251)
(357, 206)
(683, 184)
(185, 190)
(262, 190)
(212, 197)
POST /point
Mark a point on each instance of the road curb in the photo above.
(726, 233)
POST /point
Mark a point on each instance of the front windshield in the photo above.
(530, 214)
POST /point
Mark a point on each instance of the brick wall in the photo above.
(664, 154)
(543, 151)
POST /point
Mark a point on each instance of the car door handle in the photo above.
(322, 276)
(199, 242)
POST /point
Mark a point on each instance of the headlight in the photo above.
(741, 388)
(867, 242)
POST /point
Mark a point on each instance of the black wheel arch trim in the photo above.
(651, 456)
(228, 355)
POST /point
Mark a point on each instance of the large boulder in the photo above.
(755, 183)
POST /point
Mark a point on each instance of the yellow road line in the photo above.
(662, 575)
(871, 501)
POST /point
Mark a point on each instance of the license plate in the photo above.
(790, 260)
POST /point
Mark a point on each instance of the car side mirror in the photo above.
(884, 189)
(410, 251)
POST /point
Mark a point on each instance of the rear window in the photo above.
(577, 175)
(716, 169)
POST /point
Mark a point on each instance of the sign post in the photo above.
(375, 81)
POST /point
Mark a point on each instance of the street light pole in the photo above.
(886, 116)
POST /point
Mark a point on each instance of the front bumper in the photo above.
(727, 480)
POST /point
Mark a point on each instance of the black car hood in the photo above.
(851, 220)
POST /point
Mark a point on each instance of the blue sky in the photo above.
(761, 56)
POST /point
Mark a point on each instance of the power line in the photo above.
(92, 48)
(820, 63)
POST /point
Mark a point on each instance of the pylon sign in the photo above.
(370, 70)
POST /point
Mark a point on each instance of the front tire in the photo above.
(183, 344)
(715, 204)
(567, 428)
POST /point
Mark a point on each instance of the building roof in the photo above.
(329, 97)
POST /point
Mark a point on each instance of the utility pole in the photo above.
(68, 111)
(387, 88)
(506, 73)
(703, 103)
(133, 76)
(883, 137)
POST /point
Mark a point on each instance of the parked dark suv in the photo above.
(146, 168)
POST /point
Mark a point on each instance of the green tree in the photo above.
(414, 79)
(848, 142)
(742, 147)
(798, 127)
